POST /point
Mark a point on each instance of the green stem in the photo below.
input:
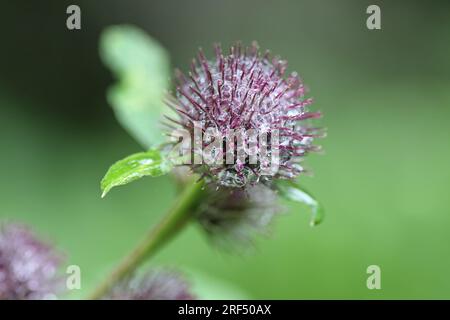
(171, 223)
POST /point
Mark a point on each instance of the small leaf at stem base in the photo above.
(133, 167)
(292, 191)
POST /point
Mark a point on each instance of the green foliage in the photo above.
(133, 167)
(142, 68)
(292, 191)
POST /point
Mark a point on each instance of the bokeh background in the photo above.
(384, 178)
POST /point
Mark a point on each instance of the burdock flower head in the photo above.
(28, 266)
(234, 215)
(153, 285)
(247, 120)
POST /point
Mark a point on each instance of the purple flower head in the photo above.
(154, 285)
(28, 266)
(244, 95)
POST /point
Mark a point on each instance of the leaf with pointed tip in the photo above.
(133, 167)
(292, 191)
(142, 68)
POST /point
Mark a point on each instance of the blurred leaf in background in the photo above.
(142, 67)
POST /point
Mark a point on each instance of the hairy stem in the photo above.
(171, 223)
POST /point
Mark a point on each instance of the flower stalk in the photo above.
(175, 219)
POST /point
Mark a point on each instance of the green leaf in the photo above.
(133, 167)
(142, 68)
(292, 191)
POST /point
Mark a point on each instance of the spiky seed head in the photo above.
(28, 266)
(153, 285)
(233, 216)
(243, 89)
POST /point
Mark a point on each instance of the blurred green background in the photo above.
(384, 178)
